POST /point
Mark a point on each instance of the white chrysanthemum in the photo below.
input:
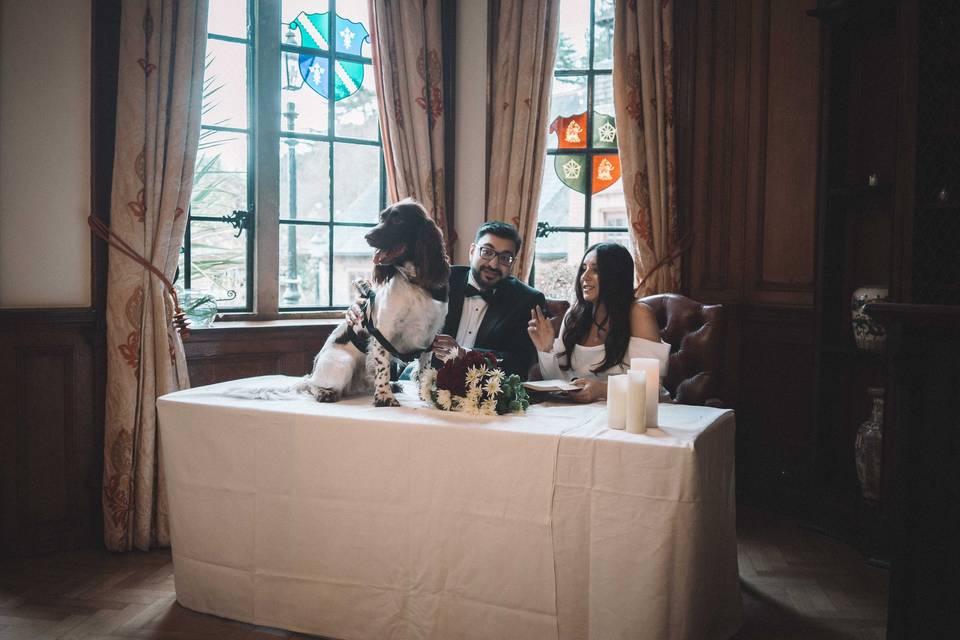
(444, 399)
(493, 386)
(490, 407)
(473, 394)
(457, 403)
(427, 376)
(474, 375)
(495, 374)
(469, 405)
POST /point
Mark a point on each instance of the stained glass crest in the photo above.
(349, 37)
(572, 170)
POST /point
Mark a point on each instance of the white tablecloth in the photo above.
(352, 521)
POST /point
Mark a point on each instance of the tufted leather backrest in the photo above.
(695, 333)
(557, 309)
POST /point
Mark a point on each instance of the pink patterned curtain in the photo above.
(162, 47)
(408, 70)
(643, 100)
(521, 71)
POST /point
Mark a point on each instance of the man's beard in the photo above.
(477, 277)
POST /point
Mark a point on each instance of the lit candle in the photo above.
(637, 401)
(652, 368)
(617, 401)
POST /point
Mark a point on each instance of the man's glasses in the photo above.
(489, 254)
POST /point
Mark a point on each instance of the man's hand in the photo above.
(356, 314)
(446, 348)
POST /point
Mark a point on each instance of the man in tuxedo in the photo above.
(488, 308)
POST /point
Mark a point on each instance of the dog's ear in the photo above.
(430, 256)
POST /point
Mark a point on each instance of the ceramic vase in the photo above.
(868, 334)
(869, 446)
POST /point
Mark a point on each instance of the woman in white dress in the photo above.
(602, 331)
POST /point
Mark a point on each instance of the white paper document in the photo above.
(550, 385)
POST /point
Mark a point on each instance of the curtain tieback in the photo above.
(677, 251)
(102, 231)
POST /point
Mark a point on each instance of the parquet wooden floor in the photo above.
(795, 585)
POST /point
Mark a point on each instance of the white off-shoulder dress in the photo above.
(585, 359)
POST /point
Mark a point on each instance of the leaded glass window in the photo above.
(289, 173)
(581, 198)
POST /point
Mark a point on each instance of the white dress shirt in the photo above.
(470, 318)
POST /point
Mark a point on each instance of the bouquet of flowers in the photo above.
(472, 383)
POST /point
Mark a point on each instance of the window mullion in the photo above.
(266, 116)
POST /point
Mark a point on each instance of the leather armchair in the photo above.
(695, 334)
(557, 309)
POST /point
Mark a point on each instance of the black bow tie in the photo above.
(471, 291)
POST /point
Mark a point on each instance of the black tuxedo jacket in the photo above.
(504, 327)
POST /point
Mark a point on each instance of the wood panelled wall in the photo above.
(50, 434)
(51, 430)
(748, 104)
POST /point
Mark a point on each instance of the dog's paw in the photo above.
(385, 401)
(326, 395)
(396, 387)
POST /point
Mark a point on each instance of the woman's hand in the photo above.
(590, 391)
(541, 330)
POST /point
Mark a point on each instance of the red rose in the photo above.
(452, 376)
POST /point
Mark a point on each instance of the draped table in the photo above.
(357, 522)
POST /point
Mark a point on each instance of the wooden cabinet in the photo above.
(887, 215)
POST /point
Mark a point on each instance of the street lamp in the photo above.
(291, 295)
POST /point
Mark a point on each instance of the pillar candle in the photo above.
(617, 401)
(637, 401)
(652, 367)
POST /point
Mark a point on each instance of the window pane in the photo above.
(559, 204)
(355, 11)
(603, 94)
(352, 259)
(569, 98)
(621, 238)
(225, 85)
(356, 182)
(292, 9)
(218, 262)
(307, 197)
(573, 45)
(228, 18)
(603, 34)
(220, 178)
(608, 207)
(555, 264)
(356, 115)
(309, 112)
(307, 247)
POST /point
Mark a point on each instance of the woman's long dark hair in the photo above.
(615, 275)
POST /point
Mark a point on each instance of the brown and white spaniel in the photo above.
(407, 309)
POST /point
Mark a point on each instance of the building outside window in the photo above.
(289, 173)
(581, 198)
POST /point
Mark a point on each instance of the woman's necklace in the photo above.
(601, 326)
